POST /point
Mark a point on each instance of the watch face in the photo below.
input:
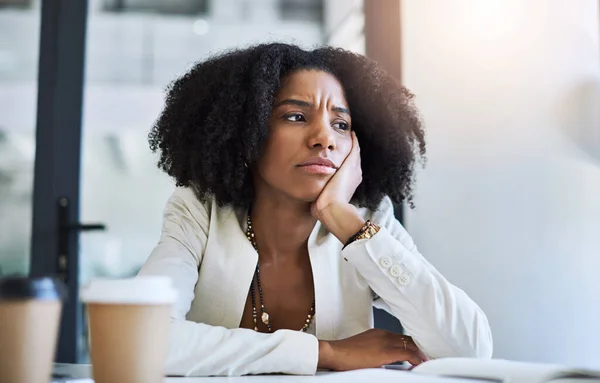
(372, 230)
(368, 232)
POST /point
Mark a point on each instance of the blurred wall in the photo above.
(508, 206)
(131, 57)
(344, 24)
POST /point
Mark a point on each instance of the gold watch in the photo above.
(368, 230)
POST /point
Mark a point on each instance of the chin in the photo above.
(307, 194)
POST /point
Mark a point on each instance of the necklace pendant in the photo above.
(265, 317)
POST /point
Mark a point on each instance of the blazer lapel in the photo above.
(326, 304)
(228, 268)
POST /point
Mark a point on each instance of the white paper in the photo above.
(504, 370)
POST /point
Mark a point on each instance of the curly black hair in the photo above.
(215, 121)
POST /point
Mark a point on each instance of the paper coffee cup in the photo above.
(129, 324)
(30, 311)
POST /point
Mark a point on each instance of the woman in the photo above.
(281, 235)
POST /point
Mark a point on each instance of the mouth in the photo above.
(318, 165)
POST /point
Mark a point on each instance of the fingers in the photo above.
(405, 342)
(354, 154)
(412, 346)
(421, 355)
(408, 356)
(414, 359)
(353, 157)
(355, 145)
(407, 349)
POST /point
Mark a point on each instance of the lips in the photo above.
(318, 166)
(318, 161)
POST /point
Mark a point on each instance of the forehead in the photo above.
(311, 83)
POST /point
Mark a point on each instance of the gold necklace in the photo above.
(265, 317)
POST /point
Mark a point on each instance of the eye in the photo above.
(294, 117)
(341, 126)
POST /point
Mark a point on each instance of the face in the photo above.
(309, 136)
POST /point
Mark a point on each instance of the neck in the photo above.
(281, 226)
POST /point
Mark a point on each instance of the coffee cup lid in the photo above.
(43, 288)
(153, 290)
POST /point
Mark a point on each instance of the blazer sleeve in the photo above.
(441, 318)
(198, 349)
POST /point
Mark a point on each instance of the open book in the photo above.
(505, 371)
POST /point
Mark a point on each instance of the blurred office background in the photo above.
(134, 49)
(508, 206)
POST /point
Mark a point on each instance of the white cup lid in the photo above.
(154, 290)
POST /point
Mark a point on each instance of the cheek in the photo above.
(275, 156)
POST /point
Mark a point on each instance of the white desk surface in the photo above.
(81, 373)
(378, 375)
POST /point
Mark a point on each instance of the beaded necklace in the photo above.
(265, 317)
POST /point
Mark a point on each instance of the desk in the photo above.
(81, 373)
(378, 375)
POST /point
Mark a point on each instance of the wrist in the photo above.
(323, 208)
(341, 219)
(325, 355)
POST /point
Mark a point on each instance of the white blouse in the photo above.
(204, 249)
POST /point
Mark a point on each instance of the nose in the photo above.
(321, 135)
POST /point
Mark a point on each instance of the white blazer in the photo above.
(204, 249)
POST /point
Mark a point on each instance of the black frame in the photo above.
(57, 154)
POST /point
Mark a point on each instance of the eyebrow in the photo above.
(290, 101)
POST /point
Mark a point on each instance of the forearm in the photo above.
(201, 350)
(341, 219)
(440, 317)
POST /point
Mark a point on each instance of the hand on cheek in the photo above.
(332, 207)
(343, 184)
